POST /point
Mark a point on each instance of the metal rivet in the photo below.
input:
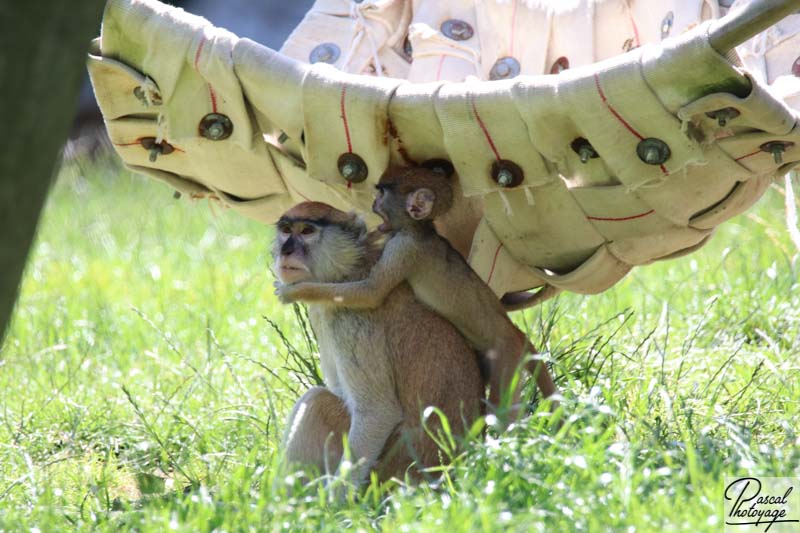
(324, 53)
(776, 148)
(352, 167)
(156, 149)
(504, 68)
(653, 151)
(561, 64)
(215, 127)
(141, 95)
(177, 195)
(724, 115)
(666, 25)
(458, 30)
(440, 166)
(507, 173)
(584, 149)
(408, 50)
(796, 67)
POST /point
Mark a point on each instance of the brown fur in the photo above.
(407, 180)
(381, 366)
(439, 277)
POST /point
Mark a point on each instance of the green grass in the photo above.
(142, 388)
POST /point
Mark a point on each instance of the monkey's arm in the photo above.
(391, 270)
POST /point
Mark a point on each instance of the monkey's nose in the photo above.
(288, 247)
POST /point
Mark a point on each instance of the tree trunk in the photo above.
(42, 54)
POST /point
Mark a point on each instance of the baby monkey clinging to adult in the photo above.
(408, 201)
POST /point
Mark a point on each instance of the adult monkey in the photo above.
(381, 366)
(408, 201)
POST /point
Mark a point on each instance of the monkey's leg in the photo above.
(505, 359)
(371, 427)
(314, 432)
(544, 380)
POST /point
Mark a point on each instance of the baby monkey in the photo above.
(408, 201)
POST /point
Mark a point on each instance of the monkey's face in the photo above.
(317, 249)
(390, 206)
(291, 251)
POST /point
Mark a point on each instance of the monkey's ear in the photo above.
(419, 203)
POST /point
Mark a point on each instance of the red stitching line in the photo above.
(635, 29)
(614, 111)
(513, 28)
(494, 261)
(619, 117)
(483, 127)
(127, 144)
(213, 96)
(621, 219)
(199, 49)
(344, 120)
(139, 142)
(211, 93)
(439, 71)
(747, 155)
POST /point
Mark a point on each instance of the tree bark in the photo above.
(43, 44)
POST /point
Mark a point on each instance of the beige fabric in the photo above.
(573, 225)
(369, 35)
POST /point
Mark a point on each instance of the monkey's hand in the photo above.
(289, 293)
(286, 292)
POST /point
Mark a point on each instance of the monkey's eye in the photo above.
(286, 230)
(308, 230)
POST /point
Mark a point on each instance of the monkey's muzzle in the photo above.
(291, 270)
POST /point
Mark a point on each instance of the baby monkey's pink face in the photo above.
(379, 209)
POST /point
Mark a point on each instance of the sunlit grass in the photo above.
(142, 387)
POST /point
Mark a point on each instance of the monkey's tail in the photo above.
(516, 301)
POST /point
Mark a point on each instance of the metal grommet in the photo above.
(666, 24)
(156, 149)
(504, 68)
(142, 96)
(796, 67)
(724, 115)
(352, 167)
(408, 50)
(458, 30)
(776, 148)
(507, 173)
(215, 127)
(584, 149)
(653, 151)
(138, 92)
(324, 53)
(440, 166)
(561, 64)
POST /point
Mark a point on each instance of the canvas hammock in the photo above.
(567, 181)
